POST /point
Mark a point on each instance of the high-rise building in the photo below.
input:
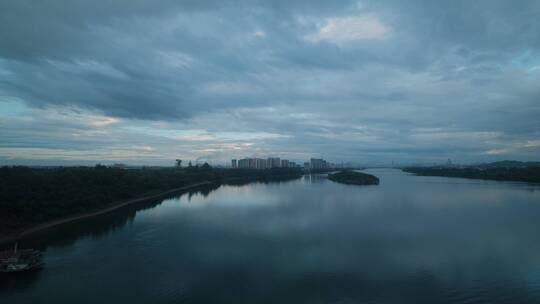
(317, 163)
(260, 163)
(252, 163)
(243, 163)
(273, 162)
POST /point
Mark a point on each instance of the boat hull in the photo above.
(21, 261)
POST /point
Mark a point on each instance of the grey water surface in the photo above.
(409, 240)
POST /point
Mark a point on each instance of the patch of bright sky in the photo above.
(340, 30)
(200, 135)
(10, 108)
(529, 61)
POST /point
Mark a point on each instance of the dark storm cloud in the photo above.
(311, 71)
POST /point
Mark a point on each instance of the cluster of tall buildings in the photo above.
(276, 162)
(317, 163)
(262, 163)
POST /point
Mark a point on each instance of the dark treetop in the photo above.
(354, 178)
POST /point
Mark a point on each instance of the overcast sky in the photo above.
(145, 82)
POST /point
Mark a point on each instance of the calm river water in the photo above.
(409, 240)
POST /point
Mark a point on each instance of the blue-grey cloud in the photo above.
(349, 80)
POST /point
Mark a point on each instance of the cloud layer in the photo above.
(365, 81)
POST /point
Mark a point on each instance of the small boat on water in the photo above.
(14, 261)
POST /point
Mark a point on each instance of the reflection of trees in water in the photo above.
(315, 178)
(95, 227)
(266, 181)
(203, 190)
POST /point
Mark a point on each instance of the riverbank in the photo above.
(32, 196)
(517, 174)
(115, 206)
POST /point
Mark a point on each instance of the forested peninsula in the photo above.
(33, 196)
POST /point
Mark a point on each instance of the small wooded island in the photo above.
(353, 178)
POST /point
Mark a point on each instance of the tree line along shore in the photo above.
(33, 196)
(529, 173)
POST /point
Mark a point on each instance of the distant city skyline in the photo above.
(367, 82)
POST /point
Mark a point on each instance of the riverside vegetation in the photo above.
(31, 196)
(501, 171)
(353, 178)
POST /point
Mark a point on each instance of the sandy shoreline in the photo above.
(17, 235)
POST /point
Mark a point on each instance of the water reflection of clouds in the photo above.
(438, 240)
(283, 241)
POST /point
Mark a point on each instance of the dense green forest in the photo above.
(524, 174)
(353, 178)
(29, 196)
